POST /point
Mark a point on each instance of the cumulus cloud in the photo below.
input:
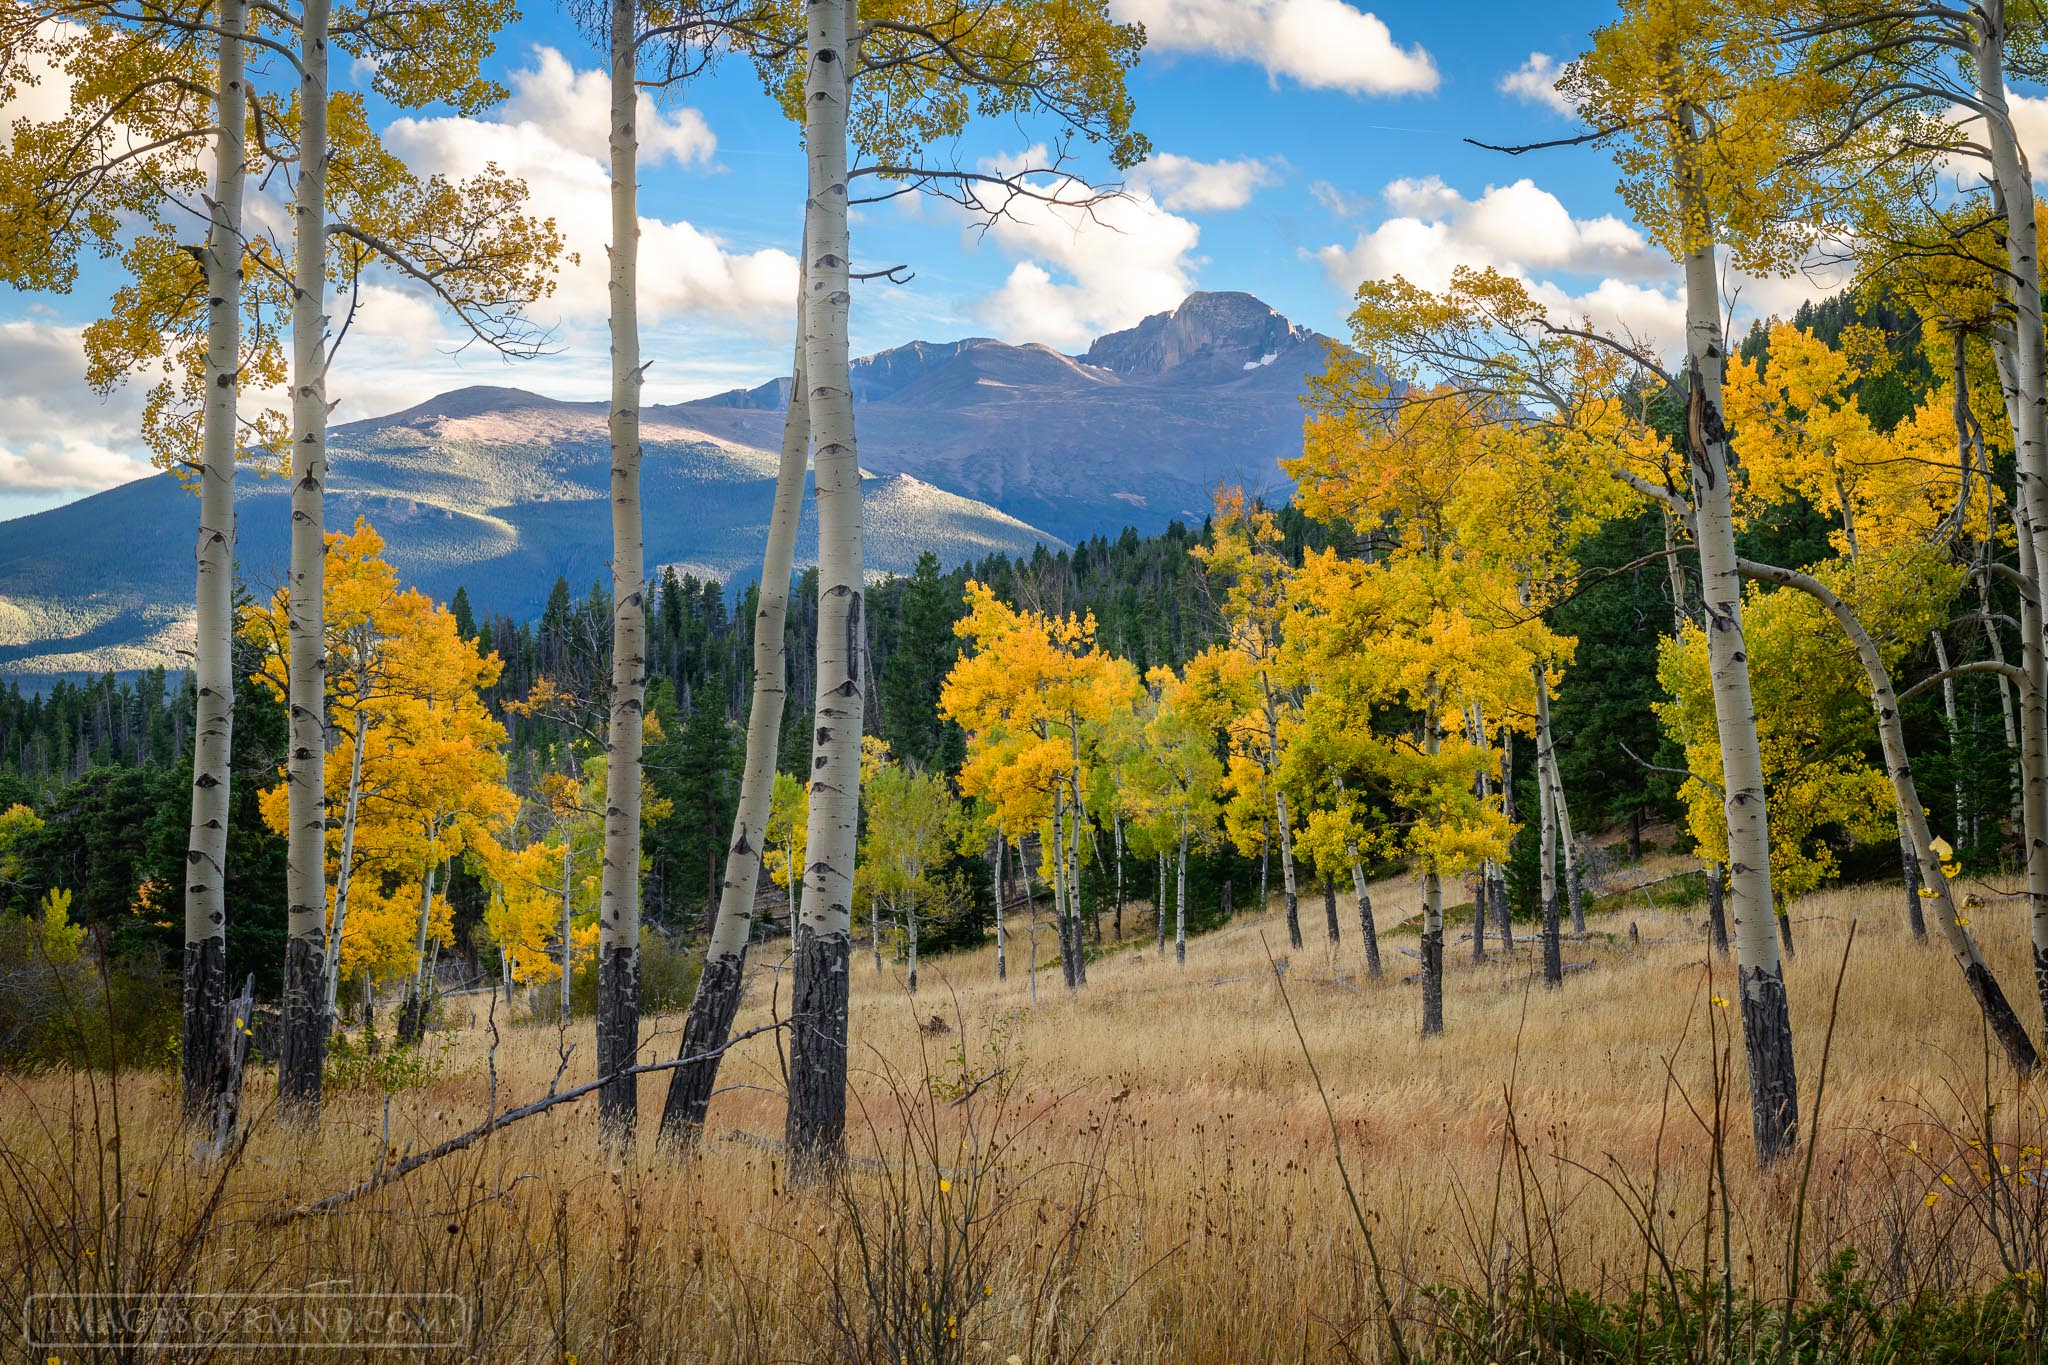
(1521, 227)
(1322, 44)
(56, 435)
(1181, 182)
(1600, 268)
(1535, 82)
(1084, 269)
(552, 133)
(575, 107)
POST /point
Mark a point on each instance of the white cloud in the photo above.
(56, 435)
(1180, 182)
(552, 133)
(1322, 44)
(1535, 82)
(1084, 270)
(1518, 227)
(575, 107)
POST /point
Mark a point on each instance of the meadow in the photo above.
(1147, 1170)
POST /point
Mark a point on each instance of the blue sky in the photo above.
(1301, 146)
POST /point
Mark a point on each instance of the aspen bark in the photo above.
(1002, 946)
(618, 944)
(1951, 725)
(412, 1016)
(345, 869)
(1287, 867)
(1330, 911)
(1159, 908)
(303, 1049)
(1766, 1014)
(1998, 1012)
(1432, 906)
(1717, 909)
(205, 1017)
(720, 985)
(2034, 764)
(1366, 929)
(1909, 866)
(1116, 821)
(1546, 806)
(817, 1103)
(1503, 923)
(568, 906)
(910, 929)
(1180, 900)
(1567, 844)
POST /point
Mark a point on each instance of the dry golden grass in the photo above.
(1169, 1191)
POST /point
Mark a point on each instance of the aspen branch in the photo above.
(495, 1123)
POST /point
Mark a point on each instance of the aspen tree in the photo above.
(144, 110)
(719, 986)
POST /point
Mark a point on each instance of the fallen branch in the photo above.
(492, 1125)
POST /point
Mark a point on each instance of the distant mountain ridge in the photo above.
(974, 447)
(1137, 430)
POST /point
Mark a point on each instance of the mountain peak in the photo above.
(472, 401)
(1226, 331)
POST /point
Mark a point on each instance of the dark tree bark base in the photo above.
(1553, 946)
(1503, 916)
(1999, 1016)
(302, 1049)
(412, 1016)
(618, 1041)
(1330, 925)
(1480, 890)
(206, 1027)
(1368, 931)
(1717, 910)
(1916, 918)
(1432, 982)
(1293, 921)
(816, 1132)
(706, 1029)
(1773, 1081)
(1080, 957)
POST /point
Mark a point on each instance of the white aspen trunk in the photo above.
(875, 932)
(719, 987)
(1116, 820)
(303, 1047)
(568, 909)
(1546, 807)
(1483, 887)
(1366, 929)
(1180, 899)
(1061, 892)
(1567, 845)
(1077, 822)
(1766, 1015)
(2023, 373)
(1159, 912)
(1950, 722)
(1998, 1013)
(817, 1108)
(412, 1019)
(1432, 902)
(205, 1020)
(345, 868)
(2014, 180)
(2034, 764)
(618, 946)
(910, 930)
(1503, 914)
(1002, 938)
(1287, 882)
